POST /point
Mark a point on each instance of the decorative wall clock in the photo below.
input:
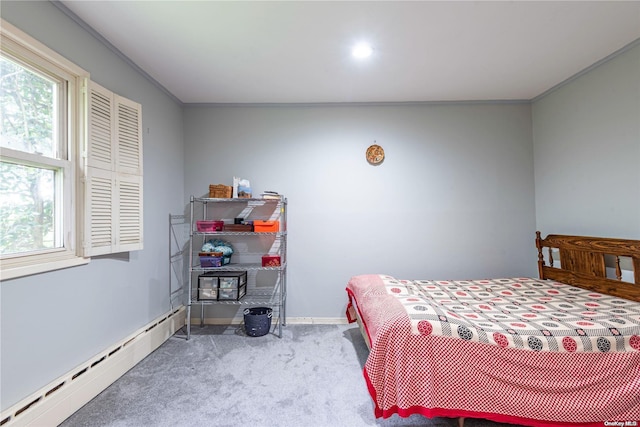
(375, 154)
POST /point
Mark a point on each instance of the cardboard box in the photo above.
(238, 227)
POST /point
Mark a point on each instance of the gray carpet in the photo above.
(311, 377)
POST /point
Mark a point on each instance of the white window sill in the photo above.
(11, 270)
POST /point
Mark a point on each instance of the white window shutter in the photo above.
(129, 189)
(113, 174)
(128, 136)
(100, 148)
(99, 212)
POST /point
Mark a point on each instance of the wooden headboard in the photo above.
(582, 263)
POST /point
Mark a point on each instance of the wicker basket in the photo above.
(220, 191)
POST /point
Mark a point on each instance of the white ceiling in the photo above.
(299, 51)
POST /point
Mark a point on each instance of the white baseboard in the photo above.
(195, 321)
(61, 398)
(316, 320)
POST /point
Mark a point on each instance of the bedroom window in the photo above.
(71, 162)
(42, 124)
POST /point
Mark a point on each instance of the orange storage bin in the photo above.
(266, 226)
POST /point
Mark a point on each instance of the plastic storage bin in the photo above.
(209, 226)
(271, 261)
(213, 259)
(230, 285)
(266, 226)
(207, 287)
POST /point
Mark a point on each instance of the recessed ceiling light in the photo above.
(362, 50)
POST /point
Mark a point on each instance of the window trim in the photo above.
(19, 44)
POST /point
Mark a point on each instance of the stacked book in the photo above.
(271, 195)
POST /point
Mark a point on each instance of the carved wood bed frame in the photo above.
(583, 263)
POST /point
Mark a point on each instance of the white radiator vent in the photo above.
(61, 398)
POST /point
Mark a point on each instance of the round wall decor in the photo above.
(375, 154)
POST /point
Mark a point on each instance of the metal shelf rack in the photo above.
(266, 286)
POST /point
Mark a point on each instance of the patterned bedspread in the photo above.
(521, 350)
(520, 313)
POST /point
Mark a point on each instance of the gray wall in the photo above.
(52, 322)
(453, 199)
(587, 152)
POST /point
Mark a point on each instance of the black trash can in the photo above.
(257, 321)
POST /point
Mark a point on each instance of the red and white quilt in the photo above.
(520, 350)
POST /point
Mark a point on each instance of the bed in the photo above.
(559, 350)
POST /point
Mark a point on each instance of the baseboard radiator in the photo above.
(55, 402)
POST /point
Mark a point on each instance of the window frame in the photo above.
(63, 177)
(17, 44)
